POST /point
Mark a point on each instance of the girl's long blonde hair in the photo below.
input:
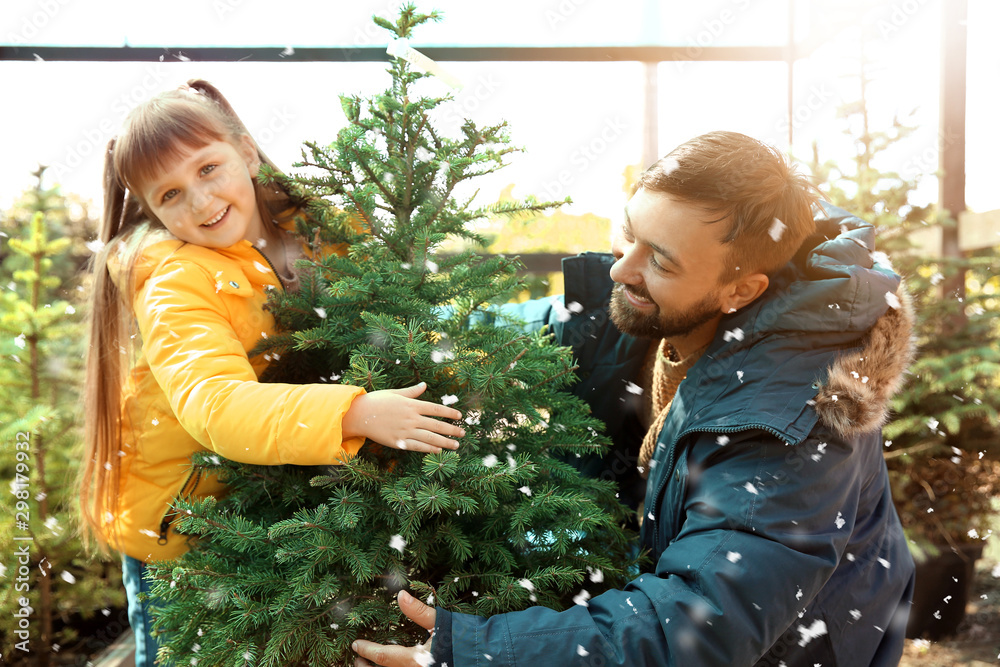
(155, 134)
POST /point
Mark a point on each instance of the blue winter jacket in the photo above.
(767, 509)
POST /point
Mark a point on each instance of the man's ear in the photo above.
(743, 291)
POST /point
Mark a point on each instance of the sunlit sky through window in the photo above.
(580, 124)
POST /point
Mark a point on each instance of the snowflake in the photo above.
(733, 334)
(490, 460)
(448, 399)
(806, 635)
(397, 542)
(777, 230)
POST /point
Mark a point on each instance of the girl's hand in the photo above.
(396, 418)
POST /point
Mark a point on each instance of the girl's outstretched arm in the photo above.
(397, 418)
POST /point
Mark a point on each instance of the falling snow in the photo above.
(739, 374)
(448, 399)
(581, 651)
(490, 460)
(733, 556)
(777, 230)
(892, 300)
(733, 334)
(840, 521)
(722, 440)
(321, 312)
(437, 356)
(397, 542)
(806, 635)
(633, 388)
(751, 488)
(669, 165)
(581, 598)
(423, 154)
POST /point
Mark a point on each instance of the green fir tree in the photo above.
(40, 371)
(296, 563)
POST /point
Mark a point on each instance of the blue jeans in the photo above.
(133, 576)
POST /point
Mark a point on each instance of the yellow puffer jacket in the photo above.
(193, 387)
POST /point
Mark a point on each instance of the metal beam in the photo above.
(378, 54)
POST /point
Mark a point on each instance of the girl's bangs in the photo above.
(161, 133)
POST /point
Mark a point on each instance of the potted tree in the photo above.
(942, 445)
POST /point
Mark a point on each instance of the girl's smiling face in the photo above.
(206, 196)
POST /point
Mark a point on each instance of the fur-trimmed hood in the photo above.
(855, 397)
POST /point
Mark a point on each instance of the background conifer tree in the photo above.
(296, 563)
(942, 440)
(41, 334)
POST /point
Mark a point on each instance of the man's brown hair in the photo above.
(747, 185)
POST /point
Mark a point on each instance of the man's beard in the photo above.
(658, 324)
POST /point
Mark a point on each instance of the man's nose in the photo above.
(622, 270)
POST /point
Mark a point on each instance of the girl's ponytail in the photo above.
(108, 326)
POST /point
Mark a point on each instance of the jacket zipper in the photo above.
(671, 463)
(273, 270)
(186, 490)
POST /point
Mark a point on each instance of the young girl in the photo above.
(192, 246)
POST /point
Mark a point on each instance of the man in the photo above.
(769, 344)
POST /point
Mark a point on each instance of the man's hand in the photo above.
(400, 656)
